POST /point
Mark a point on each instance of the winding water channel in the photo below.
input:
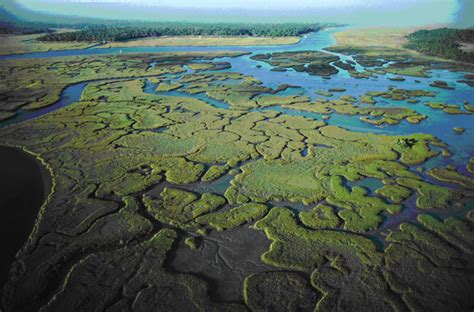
(438, 123)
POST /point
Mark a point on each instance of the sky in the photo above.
(249, 4)
(359, 12)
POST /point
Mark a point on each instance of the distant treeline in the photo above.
(25, 29)
(121, 33)
(10, 25)
(443, 42)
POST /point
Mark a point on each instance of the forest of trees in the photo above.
(443, 42)
(127, 32)
(10, 29)
(94, 30)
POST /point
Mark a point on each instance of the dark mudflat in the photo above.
(23, 190)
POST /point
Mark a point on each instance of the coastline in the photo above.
(25, 184)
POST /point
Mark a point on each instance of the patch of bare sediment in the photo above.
(467, 47)
(25, 184)
(224, 260)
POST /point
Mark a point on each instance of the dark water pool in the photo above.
(24, 185)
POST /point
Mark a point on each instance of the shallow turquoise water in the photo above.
(370, 184)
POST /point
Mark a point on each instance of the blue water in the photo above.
(438, 123)
(370, 184)
(151, 87)
(70, 94)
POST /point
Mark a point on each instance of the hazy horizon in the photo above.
(363, 13)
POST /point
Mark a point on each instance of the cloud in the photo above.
(246, 4)
(464, 14)
(359, 12)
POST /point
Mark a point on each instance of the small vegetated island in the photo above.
(183, 182)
